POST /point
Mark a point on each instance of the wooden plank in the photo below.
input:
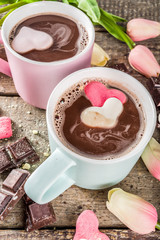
(69, 234)
(132, 9)
(72, 202)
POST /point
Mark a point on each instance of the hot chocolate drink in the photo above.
(69, 37)
(97, 142)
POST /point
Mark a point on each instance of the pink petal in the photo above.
(151, 158)
(141, 29)
(136, 213)
(142, 60)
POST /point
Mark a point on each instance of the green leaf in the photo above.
(30, 1)
(109, 24)
(4, 17)
(75, 2)
(12, 6)
(91, 8)
(65, 1)
(122, 28)
(117, 18)
(7, 2)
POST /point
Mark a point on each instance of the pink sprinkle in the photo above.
(87, 227)
(97, 93)
(5, 127)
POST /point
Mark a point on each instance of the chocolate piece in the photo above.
(14, 181)
(5, 161)
(4, 200)
(156, 81)
(119, 66)
(12, 190)
(154, 91)
(22, 151)
(38, 216)
(17, 153)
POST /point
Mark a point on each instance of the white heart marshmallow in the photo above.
(105, 116)
(29, 39)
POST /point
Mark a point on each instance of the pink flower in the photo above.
(151, 158)
(143, 61)
(140, 29)
(137, 214)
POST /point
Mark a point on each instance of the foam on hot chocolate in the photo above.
(97, 143)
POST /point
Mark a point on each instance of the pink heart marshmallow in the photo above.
(5, 127)
(87, 227)
(97, 93)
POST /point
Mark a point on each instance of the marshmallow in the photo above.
(87, 227)
(97, 93)
(5, 127)
(29, 39)
(103, 117)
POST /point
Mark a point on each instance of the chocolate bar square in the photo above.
(14, 180)
(12, 191)
(39, 212)
(22, 150)
(5, 161)
(4, 200)
(38, 216)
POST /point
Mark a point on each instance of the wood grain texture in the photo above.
(132, 9)
(68, 234)
(72, 202)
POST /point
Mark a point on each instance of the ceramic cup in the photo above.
(65, 167)
(34, 81)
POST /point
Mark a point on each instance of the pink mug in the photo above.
(34, 81)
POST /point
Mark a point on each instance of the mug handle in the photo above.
(4, 66)
(50, 179)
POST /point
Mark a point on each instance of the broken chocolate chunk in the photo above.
(5, 161)
(17, 153)
(156, 81)
(38, 216)
(22, 151)
(14, 180)
(12, 191)
(119, 66)
(154, 91)
(4, 200)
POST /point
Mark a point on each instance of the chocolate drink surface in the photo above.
(69, 38)
(95, 142)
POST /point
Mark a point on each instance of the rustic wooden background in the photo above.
(72, 202)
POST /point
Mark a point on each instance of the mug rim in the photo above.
(54, 63)
(138, 148)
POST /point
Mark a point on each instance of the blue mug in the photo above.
(64, 167)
